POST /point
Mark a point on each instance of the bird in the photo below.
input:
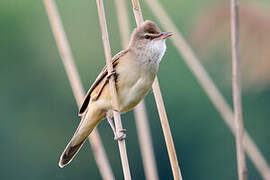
(134, 71)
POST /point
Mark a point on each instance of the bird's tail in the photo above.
(69, 153)
(83, 131)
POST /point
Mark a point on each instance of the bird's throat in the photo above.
(151, 54)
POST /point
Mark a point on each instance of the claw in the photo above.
(122, 137)
(123, 130)
(112, 73)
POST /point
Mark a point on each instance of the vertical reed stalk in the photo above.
(149, 163)
(161, 107)
(76, 85)
(123, 21)
(237, 97)
(115, 103)
(208, 85)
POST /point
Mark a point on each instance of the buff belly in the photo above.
(130, 95)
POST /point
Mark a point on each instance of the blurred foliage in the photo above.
(255, 23)
(39, 113)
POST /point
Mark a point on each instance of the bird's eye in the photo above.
(146, 36)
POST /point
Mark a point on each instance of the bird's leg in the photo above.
(123, 136)
(103, 85)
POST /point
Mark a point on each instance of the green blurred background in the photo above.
(39, 113)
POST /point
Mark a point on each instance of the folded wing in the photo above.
(98, 80)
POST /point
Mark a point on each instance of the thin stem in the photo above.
(123, 21)
(237, 97)
(150, 167)
(161, 107)
(166, 131)
(146, 145)
(208, 85)
(115, 102)
(76, 85)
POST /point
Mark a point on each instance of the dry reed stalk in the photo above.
(123, 21)
(146, 145)
(161, 107)
(237, 95)
(208, 85)
(115, 103)
(149, 163)
(76, 85)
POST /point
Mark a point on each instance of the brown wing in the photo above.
(100, 77)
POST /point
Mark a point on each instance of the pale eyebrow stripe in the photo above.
(153, 35)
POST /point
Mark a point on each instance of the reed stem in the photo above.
(76, 85)
(208, 85)
(144, 134)
(115, 102)
(237, 97)
(161, 107)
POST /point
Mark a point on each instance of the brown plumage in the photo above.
(99, 79)
(135, 69)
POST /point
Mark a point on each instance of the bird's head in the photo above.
(148, 41)
(148, 33)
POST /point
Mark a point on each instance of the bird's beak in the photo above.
(165, 35)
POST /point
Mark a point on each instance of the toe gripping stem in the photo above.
(122, 137)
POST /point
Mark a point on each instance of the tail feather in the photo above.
(74, 145)
(86, 126)
(69, 153)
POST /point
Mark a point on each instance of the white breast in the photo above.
(147, 62)
(151, 55)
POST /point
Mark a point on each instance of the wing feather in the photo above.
(98, 80)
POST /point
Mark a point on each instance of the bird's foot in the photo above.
(122, 137)
(109, 75)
